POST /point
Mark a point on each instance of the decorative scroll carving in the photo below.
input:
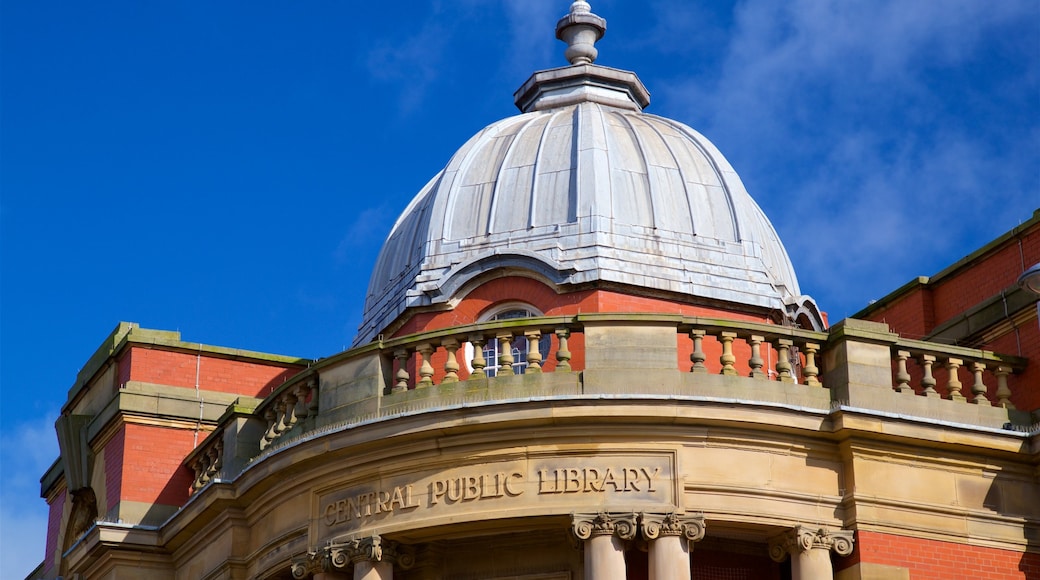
(802, 539)
(586, 526)
(690, 527)
(306, 566)
(340, 556)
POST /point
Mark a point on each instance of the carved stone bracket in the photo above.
(690, 527)
(586, 526)
(802, 539)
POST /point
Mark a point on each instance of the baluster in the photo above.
(451, 366)
(698, 357)
(505, 353)
(402, 370)
(953, 385)
(563, 355)
(302, 391)
(200, 470)
(1003, 392)
(902, 375)
(928, 381)
(269, 435)
(810, 370)
(756, 362)
(727, 359)
(978, 388)
(478, 363)
(212, 463)
(312, 406)
(425, 351)
(534, 356)
(289, 400)
(783, 360)
(279, 423)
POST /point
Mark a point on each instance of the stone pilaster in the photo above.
(604, 536)
(669, 537)
(810, 551)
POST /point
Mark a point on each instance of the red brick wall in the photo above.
(114, 458)
(997, 271)
(911, 315)
(935, 560)
(151, 468)
(55, 510)
(178, 369)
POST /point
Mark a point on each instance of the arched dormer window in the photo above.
(507, 311)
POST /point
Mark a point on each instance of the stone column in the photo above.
(810, 551)
(669, 537)
(604, 537)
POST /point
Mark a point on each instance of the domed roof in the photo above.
(583, 187)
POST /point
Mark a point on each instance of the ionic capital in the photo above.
(307, 565)
(802, 539)
(340, 555)
(586, 526)
(690, 527)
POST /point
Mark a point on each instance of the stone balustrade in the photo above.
(437, 357)
(960, 374)
(779, 353)
(855, 364)
(207, 460)
(286, 406)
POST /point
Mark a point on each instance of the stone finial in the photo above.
(580, 29)
(802, 539)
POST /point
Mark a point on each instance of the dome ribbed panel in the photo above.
(629, 186)
(704, 182)
(516, 178)
(553, 201)
(471, 194)
(671, 204)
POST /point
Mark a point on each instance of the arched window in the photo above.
(518, 347)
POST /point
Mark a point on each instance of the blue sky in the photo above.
(230, 169)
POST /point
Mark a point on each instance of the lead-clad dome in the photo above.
(584, 187)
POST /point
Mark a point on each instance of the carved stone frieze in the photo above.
(690, 527)
(586, 526)
(802, 539)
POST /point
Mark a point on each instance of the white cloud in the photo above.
(26, 451)
(837, 109)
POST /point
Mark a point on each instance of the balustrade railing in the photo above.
(286, 407)
(795, 351)
(207, 461)
(437, 357)
(753, 350)
(919, 367)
